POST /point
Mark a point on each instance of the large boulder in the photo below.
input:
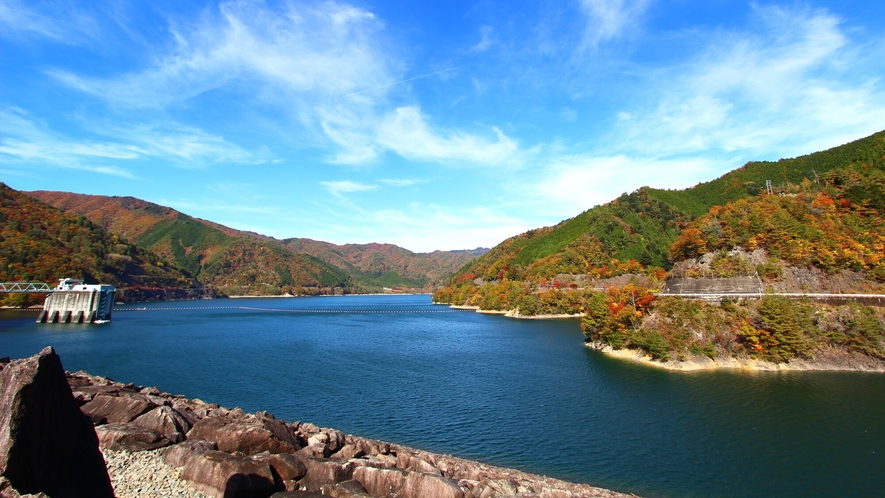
(129, 437)
(346, 489)
(287, 469)
(418, 485)
(178, 455)
(380, 482)
(166, 421)
(223, 475)
(46, 443)
(324, 472)
(118, 409)
(318, 445)
(247, 434)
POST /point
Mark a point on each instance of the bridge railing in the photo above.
(25, 287)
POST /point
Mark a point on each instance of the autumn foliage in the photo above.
(835, 225)
(41, 243)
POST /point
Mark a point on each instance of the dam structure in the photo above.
(72, 301)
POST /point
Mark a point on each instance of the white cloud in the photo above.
(486, 40)
(609, 19)
(393, 182)
(330, 49)
(60, 22)
(406, 132)
(26, 140)
(795, 84)
(352, 130)
(572, 184)
(327, 66)
(346, 186)
(183, 145)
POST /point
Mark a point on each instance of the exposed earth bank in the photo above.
(159, 444)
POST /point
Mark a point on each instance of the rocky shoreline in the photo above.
(158, 444)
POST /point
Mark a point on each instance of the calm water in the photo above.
(516, 393)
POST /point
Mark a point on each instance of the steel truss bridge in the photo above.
(25, 287)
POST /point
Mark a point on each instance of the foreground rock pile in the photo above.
(228, 453)
(143, 474)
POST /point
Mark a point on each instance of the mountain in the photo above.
(39, 242)
(815, 224)
(641, 226)
(229, 259)
(386, 264)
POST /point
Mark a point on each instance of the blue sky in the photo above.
(430, 125)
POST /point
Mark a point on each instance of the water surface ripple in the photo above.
(516, 393)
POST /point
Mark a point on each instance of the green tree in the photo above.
(782, 318)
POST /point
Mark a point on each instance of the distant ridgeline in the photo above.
(151, 252)
(811, 224)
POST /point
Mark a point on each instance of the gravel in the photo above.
(145, 475)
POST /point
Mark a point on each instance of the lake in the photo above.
(516, 393)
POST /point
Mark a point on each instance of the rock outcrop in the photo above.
(229, 453)
(47, 445)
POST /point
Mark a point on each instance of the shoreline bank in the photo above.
(831, 360)
(510, 313)
(828, 361)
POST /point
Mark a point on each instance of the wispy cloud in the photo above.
(329, 49)
(486, 40)
(58, 21)
(184, 146)
(328, 66)
(400, 182)
(795, 84)
(610, 19)
(26, 141)
(345, 187)
(571, 184)
(405, 131)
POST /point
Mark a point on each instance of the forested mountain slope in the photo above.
(223, 256)
(387, 264)
(233, 263)
(39, 242)
(639, 227)
(821, 229)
